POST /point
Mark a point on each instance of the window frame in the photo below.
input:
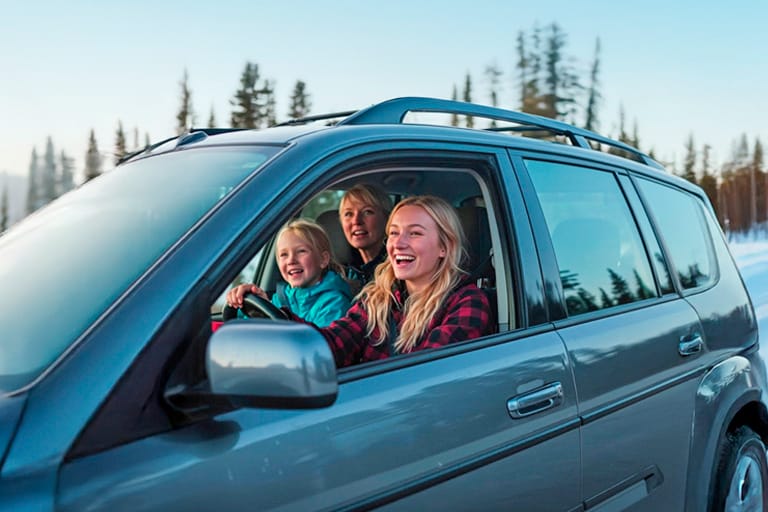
(554, 290)
(700, 207)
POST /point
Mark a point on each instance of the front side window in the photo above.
(681, 221)
(600, 255)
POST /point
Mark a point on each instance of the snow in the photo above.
(751, 256)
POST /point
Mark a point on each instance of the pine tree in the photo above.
(468, 98)
(4, 208)
(270, 113)
(246, 112)
(561, 79)
(454, 116)
(212, 119)
(92, 159)
(708, 181)
(755, 171)
(120, 150)
(33, 186)
(493, 73)
(48, 175)
(522, 67)
(300, 101)
(67, 175)
(690, 160)
(593, 95)
(186, 117)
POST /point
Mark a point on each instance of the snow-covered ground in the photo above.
(751, 256)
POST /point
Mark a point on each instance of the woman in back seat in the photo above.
(363, 214)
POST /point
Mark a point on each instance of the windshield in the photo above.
(63, 266)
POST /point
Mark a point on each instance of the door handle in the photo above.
(689, 347)
(535, 401)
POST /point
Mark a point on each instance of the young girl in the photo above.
(315, 290)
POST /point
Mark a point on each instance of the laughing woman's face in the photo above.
(413, 247)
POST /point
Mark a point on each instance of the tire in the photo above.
(741, 481)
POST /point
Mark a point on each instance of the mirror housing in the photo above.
(271, 363)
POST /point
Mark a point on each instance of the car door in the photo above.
(486, 424)
(625, 331)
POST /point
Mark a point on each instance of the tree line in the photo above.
(548, 81)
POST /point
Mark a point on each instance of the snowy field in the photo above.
(752, 259)
(751, 256)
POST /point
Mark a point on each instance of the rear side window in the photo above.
(600, 255)
(681, 221)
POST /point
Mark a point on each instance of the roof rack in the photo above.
(320, 117)
(193, 135)
(394, 111)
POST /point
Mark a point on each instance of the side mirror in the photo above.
(271, 363)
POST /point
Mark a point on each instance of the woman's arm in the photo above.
(346, 335)
(467, 316)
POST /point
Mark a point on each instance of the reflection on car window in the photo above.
(96, 241)
(599, 252)
(681, 223)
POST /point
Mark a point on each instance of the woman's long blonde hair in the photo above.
(314, 235)
(420, 307)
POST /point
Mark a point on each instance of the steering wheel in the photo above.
(254, 306)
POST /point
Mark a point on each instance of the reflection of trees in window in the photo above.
(605, 300)
(580, 300)
(569, 279)
(620, 288)
(666, 281)
(693, 277)
(643, 292)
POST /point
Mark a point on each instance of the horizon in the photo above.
(677, 70)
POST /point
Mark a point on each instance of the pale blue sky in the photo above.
(676, 66)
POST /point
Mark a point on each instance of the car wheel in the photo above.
(741, 481)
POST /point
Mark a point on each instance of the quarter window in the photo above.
(600, 255)
(681, 221)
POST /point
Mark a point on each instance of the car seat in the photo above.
(479, 264)
(344, 253)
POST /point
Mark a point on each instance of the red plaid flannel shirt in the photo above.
(464, 315)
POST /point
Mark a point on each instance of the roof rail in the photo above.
(393, 112)
(319, 117)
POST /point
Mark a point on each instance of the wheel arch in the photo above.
(729, 395)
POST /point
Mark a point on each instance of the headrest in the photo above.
(343, 252)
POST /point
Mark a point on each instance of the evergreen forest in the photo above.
(547, 82)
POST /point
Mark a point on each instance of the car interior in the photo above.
(463, 188)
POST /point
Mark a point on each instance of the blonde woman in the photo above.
(363, 213)
(418, 298)
(315, 290)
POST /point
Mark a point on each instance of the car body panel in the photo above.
(382, 438)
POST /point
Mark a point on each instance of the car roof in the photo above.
(387, 121)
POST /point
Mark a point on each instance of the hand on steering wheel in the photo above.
(254, 306)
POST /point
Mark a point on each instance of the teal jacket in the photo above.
(321, 303)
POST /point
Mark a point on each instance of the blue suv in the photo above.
(623, 371)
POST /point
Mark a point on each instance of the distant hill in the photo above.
(17, 195)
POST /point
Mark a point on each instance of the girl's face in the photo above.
(300, 264)
(413, 247)
(363, 225)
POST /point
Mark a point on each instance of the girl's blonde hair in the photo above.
(316, 237)
(420, 307)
